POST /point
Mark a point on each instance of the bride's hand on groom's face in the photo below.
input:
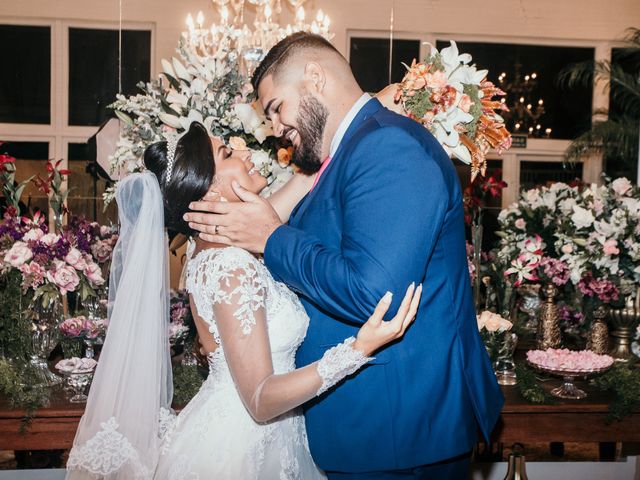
(377, 332)
(247, 224)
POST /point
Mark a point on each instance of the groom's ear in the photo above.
(314, 77)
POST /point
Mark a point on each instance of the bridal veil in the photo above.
(119, 434)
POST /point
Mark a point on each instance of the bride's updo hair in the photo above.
(191, 176)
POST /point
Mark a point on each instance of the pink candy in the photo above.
(571, 360)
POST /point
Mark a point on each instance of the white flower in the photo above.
(582, 218)
(170, 120)
(621, 186)
(248, 116)
(181, 72)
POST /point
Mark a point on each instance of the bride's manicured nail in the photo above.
(387, 297)
(191, 205)
(185, 217)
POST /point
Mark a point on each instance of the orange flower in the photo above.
(284, 156)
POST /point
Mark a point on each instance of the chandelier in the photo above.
(251, 42)
(525, 112)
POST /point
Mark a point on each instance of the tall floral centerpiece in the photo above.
(207, 87)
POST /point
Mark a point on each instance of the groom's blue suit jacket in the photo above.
(387, 212)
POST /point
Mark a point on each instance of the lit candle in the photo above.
(190, 22)
(529, 106)
(534, 75)
(224, 14)
(521, 99)
(319, 16)
(200, 19)
(300, 14)
(540, 102)
(267, 12)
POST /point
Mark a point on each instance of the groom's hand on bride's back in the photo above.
(247, 224)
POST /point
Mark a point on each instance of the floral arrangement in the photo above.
(181, 321)
(50, 264)
(570, 360)
(455, 102)
(82, 327)
(492, 328)
(11, 190)
(206, 89)
(583, 236)
(477, 195)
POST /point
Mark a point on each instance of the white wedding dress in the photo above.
(215, 437)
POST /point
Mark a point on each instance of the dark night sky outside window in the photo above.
(369, 58)
(25, 82)
(568, 110)
(93, 70)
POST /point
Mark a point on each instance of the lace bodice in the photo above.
(233, 276)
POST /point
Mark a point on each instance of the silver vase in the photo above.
(44, 338)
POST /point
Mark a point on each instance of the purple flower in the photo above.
(556, 270)
(602, 288)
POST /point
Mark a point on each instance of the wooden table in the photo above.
(568, 421)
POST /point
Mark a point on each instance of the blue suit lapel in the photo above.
(369, 109)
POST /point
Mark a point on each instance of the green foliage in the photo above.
(529, 387)
(186, 383)
(419, 103)
(20, 384)
(15, 328)
(624, 382)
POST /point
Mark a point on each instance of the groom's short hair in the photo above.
(286, 49)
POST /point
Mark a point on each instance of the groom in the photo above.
(386, 210)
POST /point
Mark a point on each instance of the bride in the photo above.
(242, 424)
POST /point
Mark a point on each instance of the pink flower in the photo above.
(610, 247)
(465, 103)
(34, 234)
(19, 254)
(49, 239)
(64, 277)
(523, 269)
(73, 327)
(567, 248)
(34, 274)
(436, 80)
(493, 322)
(520, 223)
(94, 274)
(101, 251)
(73, 257)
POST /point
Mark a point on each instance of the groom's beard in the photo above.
(312, 120)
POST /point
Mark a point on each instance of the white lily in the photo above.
(181, 72)
(167, 68)
(170, 120)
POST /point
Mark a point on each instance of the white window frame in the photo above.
(58, 132)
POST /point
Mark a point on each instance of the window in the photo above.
(618, 164)
(567, 110)
(93, 70)
(58, 79)
(533, 173)
(25, 83)
(369, 59)
(86, 188)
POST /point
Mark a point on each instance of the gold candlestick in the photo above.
(548, 322)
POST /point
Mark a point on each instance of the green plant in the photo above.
(617, 136)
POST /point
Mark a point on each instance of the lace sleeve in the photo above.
(238, 307)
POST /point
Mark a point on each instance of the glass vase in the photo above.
(504, 365)
(45, 319)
